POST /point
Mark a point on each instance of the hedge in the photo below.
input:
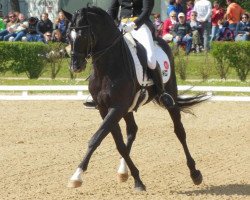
(20, 57)
(232, 54)
(33, 58)
(30, 58)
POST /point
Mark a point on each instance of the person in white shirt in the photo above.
(204, 13)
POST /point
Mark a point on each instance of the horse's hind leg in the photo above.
(181, 135)
(131, 129)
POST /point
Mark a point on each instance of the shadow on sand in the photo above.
(231, 189)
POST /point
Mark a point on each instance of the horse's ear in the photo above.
(88, 4)
(67, 15)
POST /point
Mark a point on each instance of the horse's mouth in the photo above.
(78, 68)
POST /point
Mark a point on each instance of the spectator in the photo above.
(57, 36)
(61, 23)
(6, 19)
(182, 33)
(217, 14)
(11, 25)
(158, 24)
(225, 33)
(16, 13)
(174, 5)
(196, 31)
(221, 22)
(47, 37)
(32, 31)
(243, 29)
(168, 27)
(204, 11)
(19, 31)
(190, 6)
(233, 14)
(171, 7)
(44, 24)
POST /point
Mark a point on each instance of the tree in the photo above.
(15, 5)
(243, 3)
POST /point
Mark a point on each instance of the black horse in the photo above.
(113, 86)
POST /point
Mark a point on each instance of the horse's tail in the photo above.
(185, 103)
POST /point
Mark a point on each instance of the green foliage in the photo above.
(22, 57)
(218, 50)
(33, 59)
(4, 58)
(55, 57)
(235, 54)
(205, 68)
(181, 62)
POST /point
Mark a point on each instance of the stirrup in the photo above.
(166, 100)
(89, 104)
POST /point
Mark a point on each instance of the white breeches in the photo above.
(144, 36)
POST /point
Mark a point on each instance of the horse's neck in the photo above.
(112, 63)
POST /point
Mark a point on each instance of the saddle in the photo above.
(139, 55)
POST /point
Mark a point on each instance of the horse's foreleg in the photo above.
(181, 135)
(122, 148)
(131, 128)
(75, 180)
(111, 118)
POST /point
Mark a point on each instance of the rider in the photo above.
(135, 19)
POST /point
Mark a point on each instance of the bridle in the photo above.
(89, 42)
(91, 53)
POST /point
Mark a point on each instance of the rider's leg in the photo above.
(144, 36)
(165, 98)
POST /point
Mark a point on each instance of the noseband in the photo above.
(91, 37)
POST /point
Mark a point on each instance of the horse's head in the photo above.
(86, 28)
(80, 38)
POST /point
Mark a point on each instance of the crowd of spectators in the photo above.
(15, 27)
(203, 23)
(194, 29)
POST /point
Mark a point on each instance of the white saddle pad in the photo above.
(161, 58)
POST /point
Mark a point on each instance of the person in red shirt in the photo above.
(233, 14)
(217, 14)
(168, 26)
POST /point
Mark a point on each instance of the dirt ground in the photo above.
(42, 142)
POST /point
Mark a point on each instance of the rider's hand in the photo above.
(129, 27)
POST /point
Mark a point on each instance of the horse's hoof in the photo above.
(197, 177)
(139, 186)
(74, 184)
(122, 177)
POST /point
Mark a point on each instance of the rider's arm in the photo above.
(114, 9)
(147, 8)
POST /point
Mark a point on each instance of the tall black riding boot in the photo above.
(165, 98)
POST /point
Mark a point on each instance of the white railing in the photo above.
(5, 92)
(55, 92)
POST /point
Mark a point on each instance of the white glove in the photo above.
(127, 28)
